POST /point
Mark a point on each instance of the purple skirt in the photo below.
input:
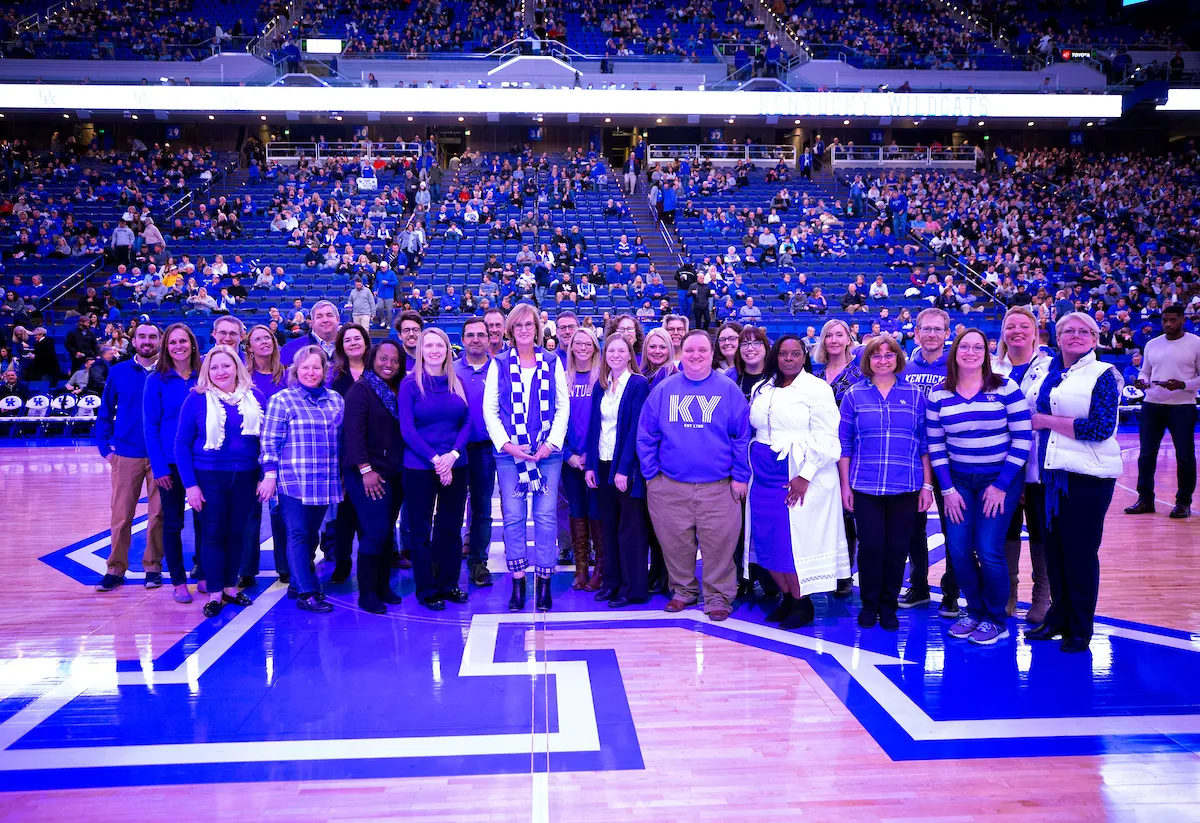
(770, 523)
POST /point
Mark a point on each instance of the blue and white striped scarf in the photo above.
(541, 386)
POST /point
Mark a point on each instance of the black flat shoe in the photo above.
(801, 614)
(1074, 645)
(604, 594)
(618, 602)
(313, 603)
(212, 608)
(455, 596)
(341, 573)
(1180, 512)
(782, 610)
(368, 601)
(1045, 631)
(246, 582)
(867, 618)
(285, 578)
(1141, 507)
(433, 603)
(889, 621)
(241, 599)
(845, 587)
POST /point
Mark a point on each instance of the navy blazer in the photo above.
(625, 460)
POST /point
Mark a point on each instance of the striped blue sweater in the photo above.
(979, 435)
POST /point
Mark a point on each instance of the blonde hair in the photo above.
(573, 365)
(293, 372)
(448, 370)
(605, 372)
(274, 364)
(819, 353)
(518, 311)
(668, 366)
(203, 384)
(1002, 347)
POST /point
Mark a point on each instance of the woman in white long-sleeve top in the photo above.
(794, 527)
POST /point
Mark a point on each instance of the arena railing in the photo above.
(948, 156)
(71, 282)
(284, 152)
(181, 205)
(719, 152)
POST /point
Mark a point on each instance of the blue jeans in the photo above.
(376, 518)
(228, 498)
(303, 531)
(173, 505)
(976, 546)
(516, 510)
(581, 501)
(481, 482)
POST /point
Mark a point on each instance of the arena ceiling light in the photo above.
(549, 102)
(844, 122)
(659, 120)
(1030, 123)
(262, 117)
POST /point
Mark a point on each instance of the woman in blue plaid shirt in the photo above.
(300, 435)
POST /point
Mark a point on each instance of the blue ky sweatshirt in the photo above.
(162, 401)
(695, 431)
(119, 419)
(924, 375)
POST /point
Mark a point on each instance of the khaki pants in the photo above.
(129, 474)
(687, 514)
(363, 320)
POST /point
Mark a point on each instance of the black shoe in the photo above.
(402, 560)
(434, 603)
(604, 594)
(914, 597)
(802, 614)
(657, 585)
(781, 611)
(566, 557)
(341, 573)
(285, 578)
(543, 601)
(480, 575)
(889, 621)
(110, 582)
(246, 582)
(455, 596)
(312, 602)
(845, 587)
(379, 572)
(745, 590)
(1180, 512)
(212, 608)
(368, 601)
(1141, 507)
(1074, 645)
(618, 602)
(516, 602)
(867, 618)
(949, 607)
(1045, 631)
(154, 580)
(241, 599)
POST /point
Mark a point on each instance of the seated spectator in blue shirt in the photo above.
(750, 312)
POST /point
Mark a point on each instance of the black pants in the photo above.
(376, 518)
(252, 550)
(1072, 540)
(433, 538)
(174, 500)
(1180, 421)
(228, 497)
(481, 480)
(345, 526)
(885, 527)
(700, 316)
(918, 553)
(625, 539)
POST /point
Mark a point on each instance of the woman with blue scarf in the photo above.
(1079, 459)
(372, 457)
(526, 406)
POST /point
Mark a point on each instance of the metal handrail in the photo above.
(178, 207)
(719, 152)
(69, 283)
(320, 152)
(901, 156)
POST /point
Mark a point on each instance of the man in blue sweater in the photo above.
(927, 370)
(121, 439)
(693, 443)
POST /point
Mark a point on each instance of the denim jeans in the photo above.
(481, 482)
(252, 550)
(228, 498)
(303, 525)
(516, 511)
(581, 501)
(376, 518)
(174, 501)
(976, 545)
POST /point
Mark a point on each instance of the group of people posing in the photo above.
(773, 462)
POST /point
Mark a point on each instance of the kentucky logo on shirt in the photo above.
(681, 408)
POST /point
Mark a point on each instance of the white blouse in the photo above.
(610, 406)
(799, 422)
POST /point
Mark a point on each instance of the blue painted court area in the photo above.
(274, 693)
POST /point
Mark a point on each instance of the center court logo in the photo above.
(681, 408)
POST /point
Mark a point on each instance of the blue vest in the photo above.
(504, 388)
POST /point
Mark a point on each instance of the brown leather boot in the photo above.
(597, 578)
(579, 546)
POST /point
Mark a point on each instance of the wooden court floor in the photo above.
(725, 729)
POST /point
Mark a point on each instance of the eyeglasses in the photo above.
(523, 326)
(884, 355)
(974, 348)
(932, 330)
(1075, 332)
(752, 344)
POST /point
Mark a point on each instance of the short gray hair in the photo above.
(229, 318)
(293, 372)
(313, 311)
(1083, 317)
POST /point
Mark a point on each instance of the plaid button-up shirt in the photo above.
(884, 437)
(300, 438)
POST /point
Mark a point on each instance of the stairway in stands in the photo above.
(662, 255)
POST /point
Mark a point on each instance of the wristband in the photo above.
(270, 475)
(949, 491)
(365, 470)
(927, 487)
(455, 453)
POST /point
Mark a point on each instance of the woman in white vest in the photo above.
(1078, 460)
(1021, 358)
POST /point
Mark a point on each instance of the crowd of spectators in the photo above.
(417, 28)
